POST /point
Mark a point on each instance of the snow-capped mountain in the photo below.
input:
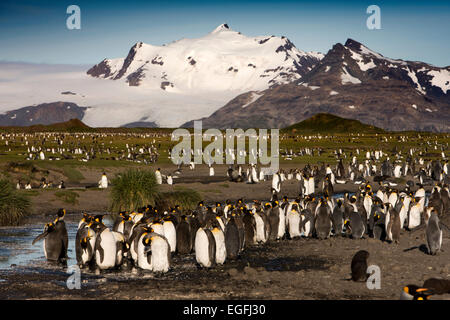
(221, 60)
(354, 82)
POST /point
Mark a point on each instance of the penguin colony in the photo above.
(147, 238)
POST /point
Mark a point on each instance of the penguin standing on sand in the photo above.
(356, 224)
(323, 222)
(103, 183)
(249, 221)
(338, 218)
(274, 220)
(393, 225)
(170, 233)
(414, 214)
(262, 226)
(276, 182)
(307, 224)
(205, 248)
(184, 240)
(219, 237)
(359, 266)
(433, 231)
(105, 245)
(158, 248)
(293, 219)
(232, 240)
(158, 176)
(55, 239)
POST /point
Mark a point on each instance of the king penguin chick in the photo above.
(359, 266)
(433, 231)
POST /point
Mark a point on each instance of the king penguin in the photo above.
(105, 245)
(55, 239)
(157, 246)
(205, 248)
(249, 221)
(338, 218)
(359, 266)
(232, 240)
(219, 237)
(433, 231)
(184, 240)
(84, 245)
(323, 220)
(293, 221)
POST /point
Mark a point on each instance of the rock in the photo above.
(250, 271)
(445, 269)
(233, 272)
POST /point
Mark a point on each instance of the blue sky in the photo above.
(35, 31)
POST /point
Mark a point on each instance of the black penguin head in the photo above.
(61, 213)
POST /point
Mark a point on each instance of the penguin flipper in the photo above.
(40, 237)
(444, 225)
(99, 249)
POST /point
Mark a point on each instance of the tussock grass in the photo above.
(13, 205)
(187, 199)
(133, 189)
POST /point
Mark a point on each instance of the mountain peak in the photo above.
(222, 27)
(353, 44)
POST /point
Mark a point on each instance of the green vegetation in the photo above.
(133, 189)
(67, 196)
(13, 205)
(328, 123)
(184, 197)
(72, 174)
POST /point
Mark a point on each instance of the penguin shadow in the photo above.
(423, 248)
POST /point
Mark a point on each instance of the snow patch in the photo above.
(327, 68)
(333, 93)
(414, 106)
(359, 60)
(441, 79)
(348, 78)
(365, 50)
(385, 77)
(414, 79)
(351, 107)
(254, 96)
(429, 110)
